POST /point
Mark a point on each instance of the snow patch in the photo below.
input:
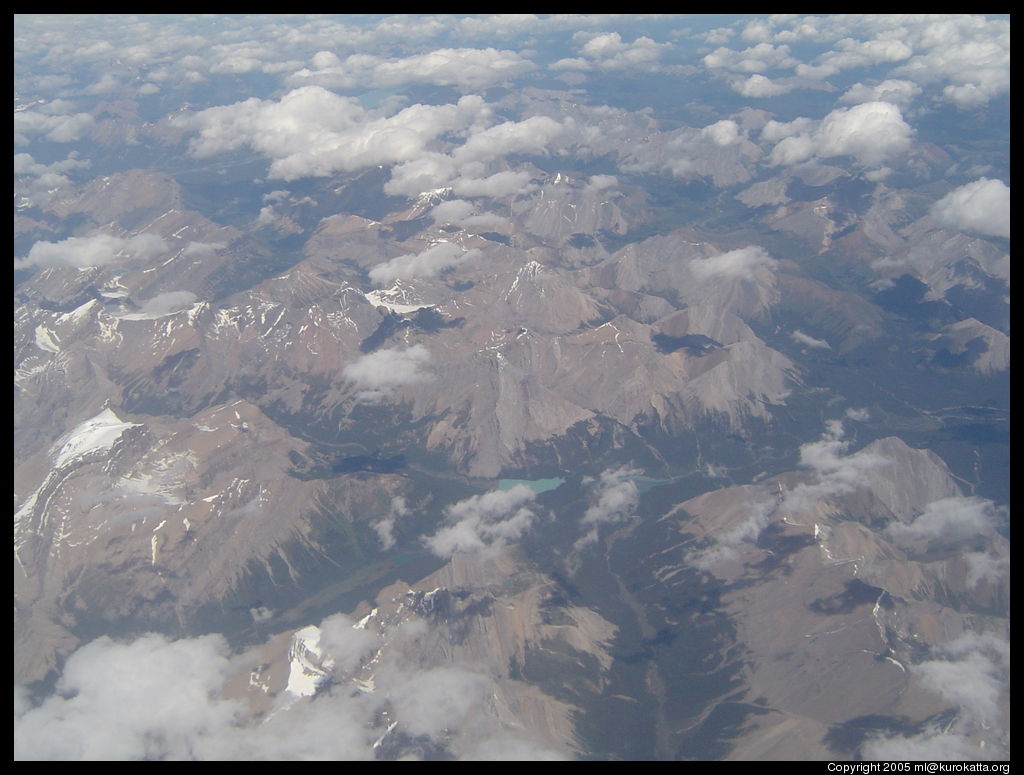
(45, 340)
(99, 433)
(305, 671)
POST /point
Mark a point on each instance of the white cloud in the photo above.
(459, 212)
(756, 59)
(430, 171)
(725, 546)
(950, 520)
(29, 125)
(742, 262)
(532, 135)
(571, 63)
(433, 701)
(600, 182)
(774, 130)
(198, 249)
(39, 181)
(872, 133)
(345, 646)
(466, 68)
(894, 91)
(981, 207)
(857, 53)
(484, 523)
(385, 528)
(313, 132)
(973, 673)
(758, 86)
(380, 373)
(164, 303)
(147, 699)
(933, 744)
(968, 56)
(614, 496)
(498, 185)
(982, 567)
(722, 133)
(809, 341)
(607, 51)
(970, 53)
(835, 473)
(158, 699)
(430, 263)
(718, 36)
(97, 250)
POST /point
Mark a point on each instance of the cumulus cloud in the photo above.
(385, 528)
(758, 86)
(894, 91)
(344, 645)
(774, 130)
(381, 373)
(430, 171)
(614, 496)
(742, 262)
(32, 124)
(607, 51)
(982, 567)
(161, 699)
(433, 701)
(430, 263)
(948, 521)
(725, 546)
(149, 699)
(165, 303)
(39, 181)
(756, 59)
(872, 133)
(981, 207)
(973, 673)
(199, 249)
(722, 133)
(859, 53)
(97, 250)
(468, 69)
(532, 135)
(934, 744)
(484, 523)
(459, 212)
(969, 54)
(313, 132)
(834, 472)
(966, 56)
(498, 185)
(600, 182)
(809, 341)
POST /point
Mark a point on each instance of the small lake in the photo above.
(537, 485)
